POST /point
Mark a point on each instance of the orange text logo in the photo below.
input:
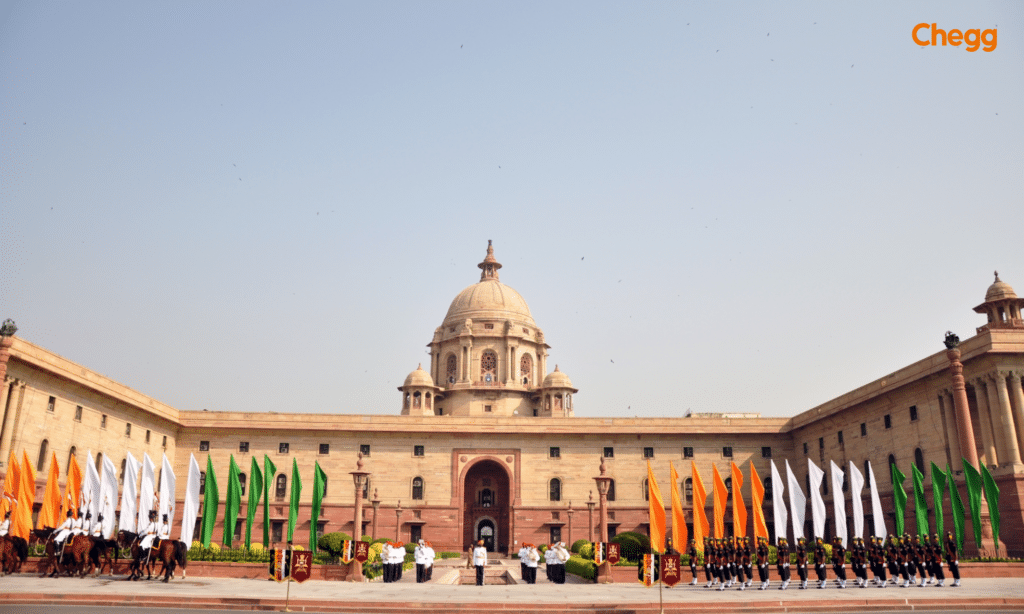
(985, 39)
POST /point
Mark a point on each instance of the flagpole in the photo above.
(661, 598)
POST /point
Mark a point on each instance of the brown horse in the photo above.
(101, 550)
(13, 552)
(168, 551)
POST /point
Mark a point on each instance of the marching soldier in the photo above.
(801, 561)
(783, 562)
(936, 560)
(953, 558)
(710, 573)
(523, 552)
(97, 527)
(560, 558)
(532, 560)
(839, 561)
(762, 562)
(906, 564)
(692, 552)
(880, 563)
(420, 556)
(819, 562)
(746, 562)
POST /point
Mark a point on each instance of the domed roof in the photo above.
(999, 290)
(557, 379)
(419, 377)
(489, 298)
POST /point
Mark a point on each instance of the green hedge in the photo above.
(632, 545)
(576, 545)
(582, 567)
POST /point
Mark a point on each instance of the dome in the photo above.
(419, 377)
(999, 290)
(489, 299)
(557, 379)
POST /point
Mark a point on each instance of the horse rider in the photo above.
(5, 526)
(165, 530)
(148, 535)
(64, 529)
(97, 527)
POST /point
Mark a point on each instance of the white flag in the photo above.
(876, 506)
(191, 507)
(797, 504)
(108, 496)
(129, 494)
(167, 492)
(146, 491)
(856, 486)
(816, 476)
(779, 504)
(91, 488)
(838, 501)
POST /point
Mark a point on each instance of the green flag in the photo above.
(920, 507)
(958, 508)
(992, 496)
(319, 490)
(269, 470)
(233, 503)
(255, 491)
(974, 498)
(938, 487)
(899, 497)
(210, 503)
(293, 507)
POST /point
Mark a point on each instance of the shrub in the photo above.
(410, 548)
(331, 542)
(375, 550)
(576, 545)
(379, 540)
(587, 551)
(256, 547)
(633, 545)
(542, 549)
(582, 567)
(450, 555)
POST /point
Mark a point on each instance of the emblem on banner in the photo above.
(279, 565)
(612, 553)
(346, 551)
(671, 569)
(302, 565)
(647, 571)
(362, 551)
(599, 552)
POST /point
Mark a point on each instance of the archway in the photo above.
(485, 531)
(486, 497)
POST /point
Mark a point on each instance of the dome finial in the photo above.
(489, 267)
(997, 275)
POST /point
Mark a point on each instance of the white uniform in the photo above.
(64, 530)
(83, 528)
(165, 530)
(97, 529)
(150, 535)
(76, 526)
(5, 527)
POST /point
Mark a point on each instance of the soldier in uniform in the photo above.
(801, 561)
(953, 558)
(5, 526)
(936, 560)
(839, 561)
(748, 567)
(479, 560)
(692, 552)
(64, 529)
(532, 560)
(906, 562)
(783, 562)
(420, 556)
(762, 562)
(710, 573)
(819, 562)
(523, 551)
(97, 527)
(880, 563)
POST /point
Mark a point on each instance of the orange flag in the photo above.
(71, 490)
(657, 512)
(21, 519)
(679, 534)
(700, 517)
(739, 508)
(721, 497)
(49, 515)
(11, 482)
(757, 503)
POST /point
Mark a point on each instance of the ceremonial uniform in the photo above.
(479, 560)
(397, 561)
(430, 556)
(692, 552)
(522, 562)
(746, 562)
(839, 561)
(63, 530)
(97, 527)
(880, 562)
(819, 563)
(801, 562)
(935, 552)
(149, 534)
(709, 561)
(548, 562)
(783, 563)
(531, 560)
(420, 556)
(762, 562)
(953, 558)
(5, 526)
(559, 559)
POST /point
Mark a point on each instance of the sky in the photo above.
(709, 207)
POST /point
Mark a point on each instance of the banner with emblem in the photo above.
(301, 565)
(612, 553)
(671, 569)
(599, 552)
(647, 570)
(346, 551)
(362, 551)
(279, 565)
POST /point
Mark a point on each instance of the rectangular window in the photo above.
(863, 429)
(554, 452)
(556, 535)
(243, 446)
(164, 441)
(204, 446)
(325, 448)
(488, 327)
(276, 531)
(487, 408)
(415, 533)
(841, 442)
(78, 414)
(913, 413)
(805, 447)
(888, 421)
(364, 448)
(282, 448)
(766, 452)
(727, 451)
(147, 435)
(687, 452)
(418, 451)
(52, 404)
(103, 421)
(609, 452)
(128, 429)
(648, 452)
(202, 482)
(821, 443)
(321, 528)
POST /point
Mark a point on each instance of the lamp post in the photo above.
(376, 504)
(603, 480)
(570, 513)
(398, 520)
(590, 517)
(359, 478)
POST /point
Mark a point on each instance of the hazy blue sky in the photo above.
(269, 206)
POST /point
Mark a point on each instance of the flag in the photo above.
(992, 496)
(211, 501)
(920, 507)
(973, 479)
(958, 508)
(757, 504)
(797, 504)
(12, 482)
(899, 497)
(779, 505)
(49, 515)
(647, 571)
(938, 487)
(293, 505)
(146, 490)
(877, 516)
(656, 512)
(856, 486)
(816, 476)
(255, 491)
(190, 510)
(269, 471)
(129, 494)
(233, 503)
(72, 488)
(319, 488)
(21, 519)
(838, 501)
(679, 532)
(107, 497)
(739, 508)
(91, 488)
(700, 518)
(720, 496)
(167, 490)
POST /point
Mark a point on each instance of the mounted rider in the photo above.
(149, 536)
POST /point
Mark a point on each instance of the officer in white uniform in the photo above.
(558, 559)
(479, 560)
(64, 529)
(5, 526)
(421, 558)
(165, 529)
(532, 559)
(97, 527)
(83, 526)
(430, 555)
(149, 533)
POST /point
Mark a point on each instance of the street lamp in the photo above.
(376, 504)
(359, 478)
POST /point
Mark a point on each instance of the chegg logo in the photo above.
(974, 38)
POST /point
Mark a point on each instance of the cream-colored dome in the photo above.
(419, 377)
(491, 300)
(557, 379)
(999, 290)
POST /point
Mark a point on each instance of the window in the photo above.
(648, 452)
(609, 452)
(766, 452)
(78, 413)
(128, 429)
(556, 534)
(919, 459)
(71, 456)
(277, 530)
(687, 452)
(805, 447)
(282, 448)
(688, 489)
(841, 443)
(488, 366)
(241, 482)
(728, 485)
(417, 488)
(646, 486)
(526, 369)
(727, 451)
(124, 467)
(51, 404)
(418, 451)
(913, 413)
(863, 429)
(204, 446)
(321, 528)
(415, 533)
(325, 484)
(364, 449)
(611, 491)
(103, 421)
(42, 455)
(555, 491)
(767, 488)
(243, 446)
(892, 461)
(165, 441)
(325, 448)
(451, 368)
(147, 435)
(281, 486)
(821, 443)
(197, 532)
(239, 524)
(488, 326)
(487, 408)
(554, 452)
(202, 482)
(888, 421)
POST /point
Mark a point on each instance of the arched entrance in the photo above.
(485, 503)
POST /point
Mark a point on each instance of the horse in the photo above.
(13, 552)
(101, 549)
(52, 557)
(76, 554)
(130, 541)
(169, 552)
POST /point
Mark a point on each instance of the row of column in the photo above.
(11, 397)
(1000, 399)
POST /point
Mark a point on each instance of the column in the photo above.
(1017, 397)
(10, 418)
(987, 440)
(1009, 433)
(949, 412)
(964, 429)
